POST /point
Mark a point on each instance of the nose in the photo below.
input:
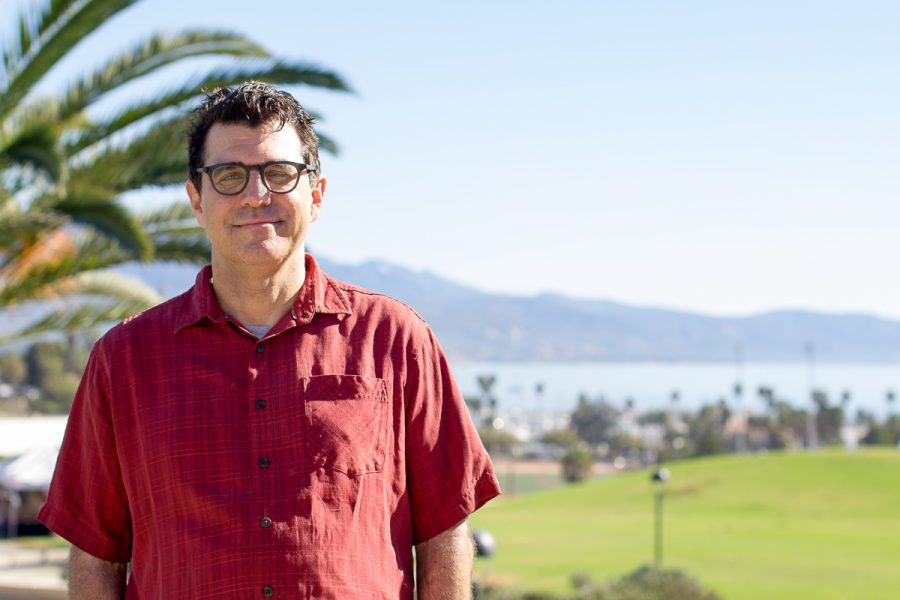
(256, 193)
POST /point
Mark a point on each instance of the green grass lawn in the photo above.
(41, 541)
(526, 483)
(819, 525)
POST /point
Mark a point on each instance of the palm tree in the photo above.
(63, 168)
(486, 383)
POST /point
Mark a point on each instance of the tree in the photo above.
(498, 442)
(829, 419)
(577, 463)
(674, 399)
(707, 428)
(63, 168)
(594, 422)
(12, 369)
(487, 401)
(560, 438)
(54, 369)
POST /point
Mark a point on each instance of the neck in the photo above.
(258, 296)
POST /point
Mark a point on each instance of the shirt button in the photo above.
(260, 347)
(264, 463)
(268, 591)
(260, 404)
(266, 522)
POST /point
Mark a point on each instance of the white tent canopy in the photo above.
(31, 471)
(20, 434)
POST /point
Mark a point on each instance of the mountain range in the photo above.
(479, 326)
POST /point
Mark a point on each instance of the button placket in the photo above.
(261, 416)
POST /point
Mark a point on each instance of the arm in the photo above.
(92, 578)
(444, 565)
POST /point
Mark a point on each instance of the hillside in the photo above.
(474, 325)
(817, 526)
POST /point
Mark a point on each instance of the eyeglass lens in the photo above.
(277, 177)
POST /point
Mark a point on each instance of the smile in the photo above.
(258, 224)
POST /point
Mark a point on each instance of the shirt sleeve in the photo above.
(449, 473)
(87, 502)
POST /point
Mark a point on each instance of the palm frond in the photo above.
(47, 270)
(108, 297)
(174, 212)
(279, 71)
(100, 210)
(55, 32)
(291, 73)
(35, 147)
(327, 144)
(32, 24)
(29, 140)
(91, 298)
(176, 235)
(151, 54)
(155, 158)
(111, 284)
(188, 249)
(17, 226)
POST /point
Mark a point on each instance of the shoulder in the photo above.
(150, 324)
(380, 311)
(367, 301)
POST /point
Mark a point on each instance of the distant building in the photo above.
(29, 447)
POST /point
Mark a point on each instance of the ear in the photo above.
(196, 202)
(318, 198)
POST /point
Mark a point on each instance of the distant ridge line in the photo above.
(476, 325)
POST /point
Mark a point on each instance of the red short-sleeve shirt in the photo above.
(301, 465)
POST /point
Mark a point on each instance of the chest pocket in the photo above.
(346, 422)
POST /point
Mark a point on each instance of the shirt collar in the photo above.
(319, 295)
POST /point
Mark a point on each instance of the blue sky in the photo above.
(721, 157)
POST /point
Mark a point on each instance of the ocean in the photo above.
(651, 385)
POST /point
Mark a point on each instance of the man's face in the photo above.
(256, 228)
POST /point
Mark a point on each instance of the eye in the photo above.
(281, 173)
(229, 176)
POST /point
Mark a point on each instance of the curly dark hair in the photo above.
(253, 104)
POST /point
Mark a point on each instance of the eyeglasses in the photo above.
(279, 176)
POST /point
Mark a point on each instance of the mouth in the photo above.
(255, 224)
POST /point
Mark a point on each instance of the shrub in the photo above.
(646, 583)
(577, 463)
(650, 583)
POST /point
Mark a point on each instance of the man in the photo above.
(271, 432)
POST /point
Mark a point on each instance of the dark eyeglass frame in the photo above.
(261, 167)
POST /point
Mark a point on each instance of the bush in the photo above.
(577, 463)
(560, 438)
(646, 583)
(56, 396)
(650, 583)
(13, 369)
(498, 442)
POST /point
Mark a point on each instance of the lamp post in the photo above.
(660, 476)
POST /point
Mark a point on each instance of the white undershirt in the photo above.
(259, 331)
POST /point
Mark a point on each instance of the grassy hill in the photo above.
(819, 525)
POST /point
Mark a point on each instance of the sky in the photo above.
(714, 156)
